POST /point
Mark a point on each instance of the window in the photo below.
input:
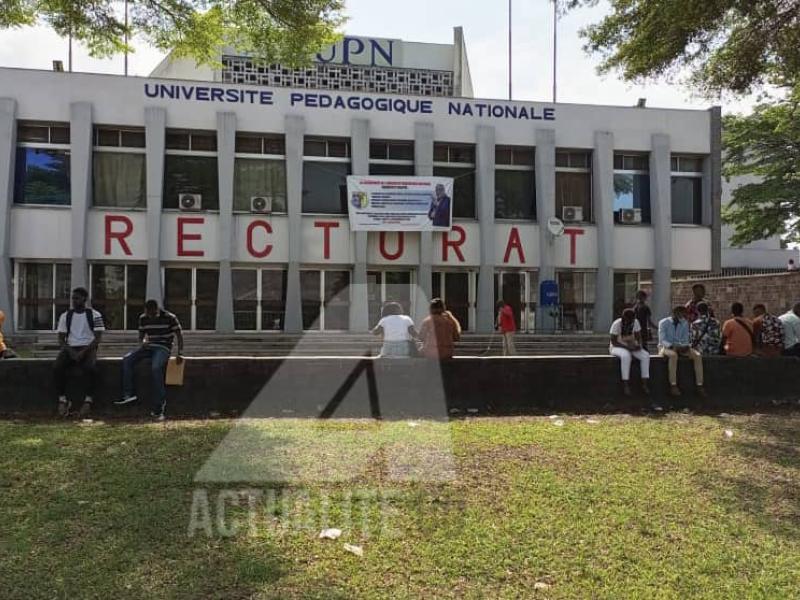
(39, 132)
(259, 299)
(195, 141)
(687, 190)
(118, 292)
(259, 177)
(577, 296)
(391, 157)
(119, 180)
(625, 287)
(632, 185)
(325, 187)
(514, 185)
(43, 294)
(574, 185)
(457, 161)
(115, 137)
(185, 174)
(325, 298)
(326, 147)
(253, 143)
(191, 294)
(42, 176)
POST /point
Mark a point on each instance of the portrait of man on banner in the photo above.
(439, 212)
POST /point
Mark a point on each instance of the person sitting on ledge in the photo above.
(397, 330)
(80, 330)
(791, 331)
(157, 328)
(706, 337)
(737, 333)
(673, 341)
(626, 344)
(439, 332)
(768, 331)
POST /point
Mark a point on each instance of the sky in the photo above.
(486, 33)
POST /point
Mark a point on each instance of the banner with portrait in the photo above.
(399, 203)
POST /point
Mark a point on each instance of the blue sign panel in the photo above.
(548, 293)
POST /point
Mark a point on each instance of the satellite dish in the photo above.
(555, 226)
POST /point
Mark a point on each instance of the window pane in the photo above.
(245, 298)
(315, 148)
(108, 293)
(137, 290)
(456, 286)
(689, 164)
(337, 300)
(462, 154)
(177, 140)
(63, 287)
(133, 138)
(338, 148)
(562, 159)
(577, 293)
(384, 169)
(502, 155)
(178, 294)
(374, 296)
(257, 177)
(401, 150)
(191, 175)
(42, 177)
(274, 146)
(273, 299)
(440, 153)
(514, 195)
(107, 137)
(35, 296)
(673, 163)
(378, 150)
(524, 156)
(119, 180)
(33, 133)
(250, 144)
(580, 160)
(632, 191)
(687, 206)
(59, 135)
(204, 142)
(325, 187)
(463, 189)
(574, 189)
(206, 301)
(310, 298)
(398, 289)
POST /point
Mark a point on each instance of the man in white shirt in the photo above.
(397, 330)
(79, 333)
(791, 331)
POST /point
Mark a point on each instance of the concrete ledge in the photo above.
(399, 388)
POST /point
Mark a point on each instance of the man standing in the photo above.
(768, 331)
(80, 330)
(507, 326)
(698, 296)
(673, 341)
(737, 333)
(644, 316)
(157, 329)
(791, 331)
(705, 332)
(439, 212)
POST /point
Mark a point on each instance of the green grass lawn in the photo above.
(624, 507)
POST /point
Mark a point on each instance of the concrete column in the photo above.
(226, 147)
(359, 306)
(80, 126)
(155, 122)
(8, 154)
(715, 187)
(661, 216)
(603, 192)
(545, 164)
(423, 167)
(295, 126)
(484, 194)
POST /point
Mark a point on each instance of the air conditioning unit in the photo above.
(261, 204)
(190, 202)
(572, 214)
(630, 216)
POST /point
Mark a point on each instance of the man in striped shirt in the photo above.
(157, 330)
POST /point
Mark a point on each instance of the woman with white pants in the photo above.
(626, 343)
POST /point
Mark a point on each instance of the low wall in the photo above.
(357, 387)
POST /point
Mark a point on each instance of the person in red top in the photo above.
(507, 327)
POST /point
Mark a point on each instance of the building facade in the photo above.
(94, 170)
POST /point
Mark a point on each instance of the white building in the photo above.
(91, 168)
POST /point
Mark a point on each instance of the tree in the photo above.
(765, 145)
(727, 45)
(284, 31)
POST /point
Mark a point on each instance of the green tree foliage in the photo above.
(285, 31)
(766, 146)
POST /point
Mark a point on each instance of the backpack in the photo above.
(771, 331)
(89, 319)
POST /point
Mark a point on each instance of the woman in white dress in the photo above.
(626, 343)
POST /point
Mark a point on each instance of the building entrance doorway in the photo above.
(191, 294)
(457, 289)
(518, 290)
(389, 286)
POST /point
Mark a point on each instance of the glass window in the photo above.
(390, 169)
(687, 164)
(42, 297)
(42, 177)
(107, 137)
(574, 189)
(632, 191)
(325, 187)
(577, 296)
(315, 148)
(43, 133)
(191, 175)
(461, 153)
(463, 189)
(687, 200)
(248, 144)
(132, 138)
(310, 298)
(337, 300)
(136, 294)
(273, 299)
(177, 140)
(625, 287)
(119, 180)
(108, 293)
(579, 159)
(178, 294)
(632, 162)
(259, 177)
(245, 299)
(514, 195)
(333, 147)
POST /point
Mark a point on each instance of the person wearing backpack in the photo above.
(737, 333)
(768, 331)
(80, 330)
